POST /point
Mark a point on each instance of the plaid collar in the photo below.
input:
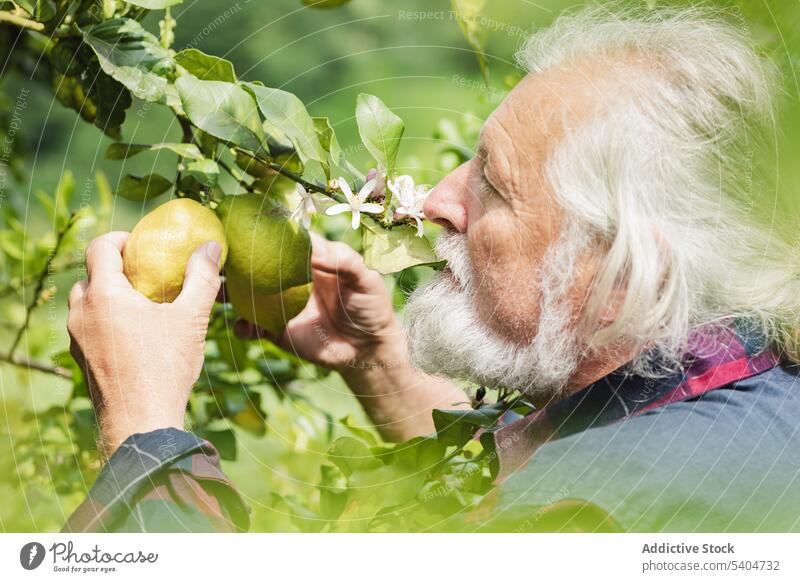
(714, 359)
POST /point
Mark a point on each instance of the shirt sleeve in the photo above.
(167, 480)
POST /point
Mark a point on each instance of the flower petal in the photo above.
(420, 227)
(371, 208)
(366, 190)
(355, 222)
(345, 188)
(337, 209)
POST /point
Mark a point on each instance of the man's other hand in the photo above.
(140, 358)
(349, 320)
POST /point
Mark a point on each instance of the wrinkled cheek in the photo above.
(504, 262)
(508, 310)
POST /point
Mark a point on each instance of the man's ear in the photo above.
(612, 308)
(590, 270)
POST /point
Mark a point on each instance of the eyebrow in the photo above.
(481, 151)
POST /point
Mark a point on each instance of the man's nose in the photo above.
(445, 203)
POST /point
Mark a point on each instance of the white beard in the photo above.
(448, 338)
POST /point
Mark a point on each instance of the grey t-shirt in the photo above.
(726, 461)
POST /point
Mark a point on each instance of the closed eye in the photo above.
(482, 157)
(486, 186)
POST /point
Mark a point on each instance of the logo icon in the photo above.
(31, 555)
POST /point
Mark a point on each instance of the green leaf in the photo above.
(387, 485)
(420, 453)
(286, 112)
(121, 151)
(154, 4)
(205, 171)
(223, 440)
(327, 138)
(467, 13)
(105, 200)
(112, 100)
(223, 110)
(142, 188)
(48, 204)
(351, 455)
(456, 427)
(206, 67)
(365, 434)
(69, 56)
(131, 55)
(11, 245)
(301, 516)
(332, 492)
(380, 130)
(329, 142)
(390, 251)
(65, 190)
(40, 10)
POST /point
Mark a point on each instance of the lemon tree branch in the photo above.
(38, 366)
(40, 285)
(18, 19)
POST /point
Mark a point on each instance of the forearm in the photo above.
(397, 397)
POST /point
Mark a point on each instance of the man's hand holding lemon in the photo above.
(138, 325)
(141, 358)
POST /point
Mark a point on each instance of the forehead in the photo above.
(543, 105)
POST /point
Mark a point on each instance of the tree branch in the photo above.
(232, 174)
(38, 366)
(294, 177)
(11, 289)
(21, 21)
(40, 284)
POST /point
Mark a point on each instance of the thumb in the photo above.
(201, 282)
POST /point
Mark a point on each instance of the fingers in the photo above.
(201, 282)
(104, 257)
(339, 259)
(76, 293)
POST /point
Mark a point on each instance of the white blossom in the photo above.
(379, 175)
(307, 208)
(410, 200)
(356, 203)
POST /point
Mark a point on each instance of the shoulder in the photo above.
(725, 461)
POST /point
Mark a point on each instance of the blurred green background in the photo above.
(412, 55)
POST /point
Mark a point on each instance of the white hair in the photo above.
(656, 178)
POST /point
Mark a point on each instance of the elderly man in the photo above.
(602, 259)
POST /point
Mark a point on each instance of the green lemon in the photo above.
(270, 311)
(156, 253)
(265, 246)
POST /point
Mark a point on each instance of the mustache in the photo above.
(452, 247)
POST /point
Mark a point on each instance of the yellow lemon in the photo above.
(155, 256)
(265, 246)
